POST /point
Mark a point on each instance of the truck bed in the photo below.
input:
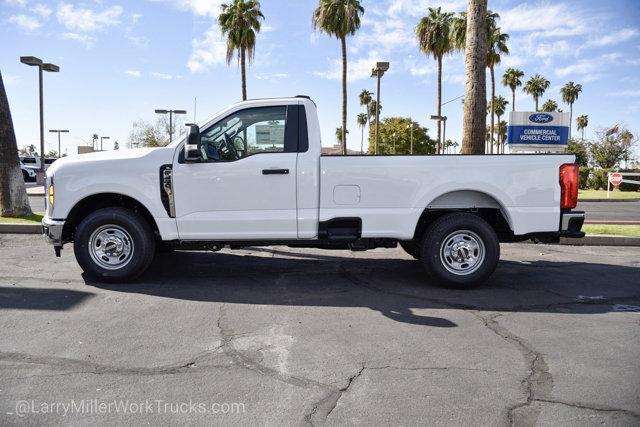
(389, 193)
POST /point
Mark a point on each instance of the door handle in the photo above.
(275, 171)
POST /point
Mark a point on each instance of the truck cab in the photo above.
(253, 175)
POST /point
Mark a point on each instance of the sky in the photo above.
(119, 60)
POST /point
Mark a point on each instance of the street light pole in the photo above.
(444, 132)
(394, 143)
(410, 126)
(59, 131)
(171, 113)
(378, 72)
(441, 143)
(37, 62)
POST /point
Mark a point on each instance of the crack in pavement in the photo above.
(596, 408)
(538, 383)
(85, 367)
(323, 408)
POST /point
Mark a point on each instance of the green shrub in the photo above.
(584, 178)
(598, 179)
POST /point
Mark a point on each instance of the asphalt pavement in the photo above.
(611, 212)
(300, 336)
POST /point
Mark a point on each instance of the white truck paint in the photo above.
(293, 195)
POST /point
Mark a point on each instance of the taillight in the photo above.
(569, 174)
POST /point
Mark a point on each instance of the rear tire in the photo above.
(460, 250)
(114, 245)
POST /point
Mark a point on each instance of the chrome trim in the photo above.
(167, 185)
(52, 231)
(567, 217)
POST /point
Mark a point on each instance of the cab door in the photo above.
(245, 187)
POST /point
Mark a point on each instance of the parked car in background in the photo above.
(31, 161)
(34, 161)
(29, 173)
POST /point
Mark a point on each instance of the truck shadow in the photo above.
(397, 288)
(19, 298)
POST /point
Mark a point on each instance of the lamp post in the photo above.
(441, 143)
(37, 62)
(394, 143)
(171, 113)
(101, 138)
(59, 131)
(410, 126)
(444, 132)
(377, 72)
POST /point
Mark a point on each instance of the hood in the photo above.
(158, 155)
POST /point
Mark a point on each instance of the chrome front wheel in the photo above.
(111, 247)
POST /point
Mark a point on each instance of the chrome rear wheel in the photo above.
(462, 252)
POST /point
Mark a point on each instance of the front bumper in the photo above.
(52, 231)
(571, 224)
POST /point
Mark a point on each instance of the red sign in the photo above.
(615, 178)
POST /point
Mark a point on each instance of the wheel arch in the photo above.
(91, 203)
(477, 202)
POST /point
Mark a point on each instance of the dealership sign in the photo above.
(538, 131)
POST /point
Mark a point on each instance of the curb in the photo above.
(20, 228)
(606, 200)
(601, 240)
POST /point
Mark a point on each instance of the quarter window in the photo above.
(244, 133)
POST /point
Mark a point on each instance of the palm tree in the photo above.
(339, 18)
(511, 78)
(475, 100)
(365, 99)
(582, 122)
(499, 106)
(240, 21)
(502, 134)
(626, 137)
(373, 106)
(459, 28)
(434, 38)
(497, 44)
(362, 122)
(536, 86)
(570, 93)
(13, 194)
(550, 106)
(339, 136)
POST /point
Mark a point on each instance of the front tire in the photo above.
(114, 245)
(460, 250)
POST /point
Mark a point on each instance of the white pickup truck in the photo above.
(254, 175)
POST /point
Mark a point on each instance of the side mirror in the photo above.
(192, 152)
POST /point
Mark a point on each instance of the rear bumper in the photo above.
(52, 231)
(571, 224)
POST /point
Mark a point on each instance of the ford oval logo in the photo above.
(540, 118)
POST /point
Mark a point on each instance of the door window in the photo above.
(244, 133)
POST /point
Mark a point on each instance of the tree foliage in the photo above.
(580, 150)
(607, 150)
(422, 143)
(156, 133)
(550, 106)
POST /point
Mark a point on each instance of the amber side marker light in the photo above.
(51, 198)
(568, 186)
